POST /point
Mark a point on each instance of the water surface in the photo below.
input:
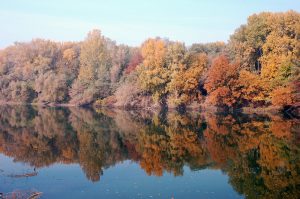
(80, 153)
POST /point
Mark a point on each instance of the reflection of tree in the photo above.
(43, 141)
(169, 144)
(99, 142)
(260, 154)
(261, 159)
(280, 164)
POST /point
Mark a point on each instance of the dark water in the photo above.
(80, 153)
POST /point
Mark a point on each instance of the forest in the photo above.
(258, 67)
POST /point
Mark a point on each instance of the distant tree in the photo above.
(135, 59)
(210, 49)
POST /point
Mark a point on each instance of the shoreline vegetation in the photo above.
(256, 71)
(270, 110)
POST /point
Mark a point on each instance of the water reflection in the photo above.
(259, 154)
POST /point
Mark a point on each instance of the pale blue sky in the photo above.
(130, 21)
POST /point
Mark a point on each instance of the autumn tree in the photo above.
(120, 60)
(161, 72)
(20, 91)
(153, 72)
(93, 79)
(69, 61)
(246, 43)
(135, 59)
(222, 83)
(280, 60)
(253, 89)
(210, 49)
(187, 70)
(51, 88)
(268, 48)
(284, 96)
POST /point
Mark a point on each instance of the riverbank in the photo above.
(293, 110)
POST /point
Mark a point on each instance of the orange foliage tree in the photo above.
(222, 83)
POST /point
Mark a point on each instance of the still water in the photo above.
(80, 153)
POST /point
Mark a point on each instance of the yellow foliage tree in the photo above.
(153, 73)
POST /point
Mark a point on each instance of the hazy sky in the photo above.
(130, 21)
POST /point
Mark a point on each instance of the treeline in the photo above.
(254, 151)
(258, 67)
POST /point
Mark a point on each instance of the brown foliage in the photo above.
(285, 96)
(221, 83)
